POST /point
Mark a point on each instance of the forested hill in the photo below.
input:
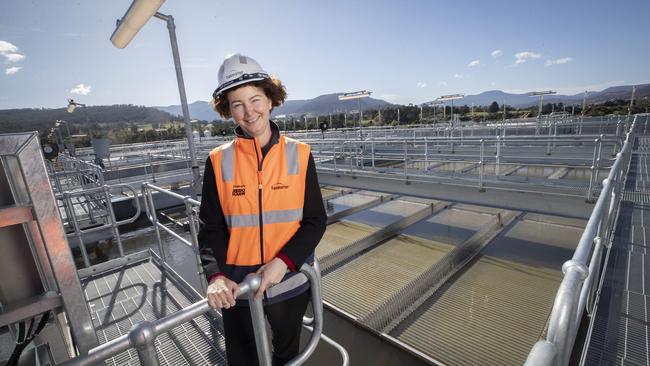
(34, 119)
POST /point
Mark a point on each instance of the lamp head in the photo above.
(135, 18)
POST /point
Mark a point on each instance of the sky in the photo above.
(402, 51)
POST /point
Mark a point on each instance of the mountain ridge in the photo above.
(329, 103)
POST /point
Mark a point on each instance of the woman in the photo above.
(262, 212)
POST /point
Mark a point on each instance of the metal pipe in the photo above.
(82, 246)
(481, 167)
(313, 274)
(171, 27)
(151, 214)
(111, 217)
(259, 324)
(195, 239)
(497, 168)
(592, 179)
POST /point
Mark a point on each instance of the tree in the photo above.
(494, 107)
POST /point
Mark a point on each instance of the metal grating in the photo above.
(121, 298)
(360, 286)
(493, 311)
(341, 234)
(620, 332)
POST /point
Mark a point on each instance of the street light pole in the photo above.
(196, 175)
(451, 97)
(134, 19)
(541, 95)
(356, 95)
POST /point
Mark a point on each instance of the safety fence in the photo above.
(582, 272)
(504, 160)
(143, 335)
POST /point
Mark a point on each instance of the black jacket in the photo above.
(213, 234)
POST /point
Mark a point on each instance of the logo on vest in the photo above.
(277, 186)
(238, 190)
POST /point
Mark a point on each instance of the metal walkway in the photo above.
(120, 298)
(620, 332)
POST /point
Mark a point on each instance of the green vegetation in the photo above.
(129, 124)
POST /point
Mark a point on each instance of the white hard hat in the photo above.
(237, 70)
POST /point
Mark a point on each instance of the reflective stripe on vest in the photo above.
(269, 217)
(228, 160)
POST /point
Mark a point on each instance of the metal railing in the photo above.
(426, 158)
(111, 222)
(143, 335)
(191, 207)
(582, 272)
(314, 325)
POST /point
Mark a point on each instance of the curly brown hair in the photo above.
(273, 88)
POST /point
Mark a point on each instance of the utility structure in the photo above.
(358, 95)
(541, 95)
(433, 104)
(450, 97)
(72, 106)
(133, 20)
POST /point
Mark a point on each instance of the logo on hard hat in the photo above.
(234, 74)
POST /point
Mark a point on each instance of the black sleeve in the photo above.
(213, 233)
(313, 223)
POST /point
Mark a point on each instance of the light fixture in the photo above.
(356, 95)
(135, 18)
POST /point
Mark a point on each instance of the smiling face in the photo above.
(251, 109)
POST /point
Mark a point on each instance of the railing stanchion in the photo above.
(259, 329)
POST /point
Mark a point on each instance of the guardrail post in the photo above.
(195, 239)
(111, 217)
(481, 167)
(151, 212)
(259, 323)
(406, 178)
(142, 337)
(497, 168)
(77, 231)
(372, 149)
(592, 180)
(426, 154)
(618, 133)
(554, 134)
(334, 158)
(153, 173)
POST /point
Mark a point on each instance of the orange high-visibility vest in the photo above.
(262, 200)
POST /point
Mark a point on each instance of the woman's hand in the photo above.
(222, 293)
(272, 274)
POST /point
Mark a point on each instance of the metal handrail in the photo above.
(142, 336)
(113, 223)
(312, 273)
(190, 204)
(582, 270)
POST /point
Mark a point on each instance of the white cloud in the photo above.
(524, 56)
(497, 53)
(458, 76)
(559, 61)
(12, 70)
(474, 63)
(6, 47)
(422, 84)
(10, 52)
(442, 83)
(14, 57)
(81, 89)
